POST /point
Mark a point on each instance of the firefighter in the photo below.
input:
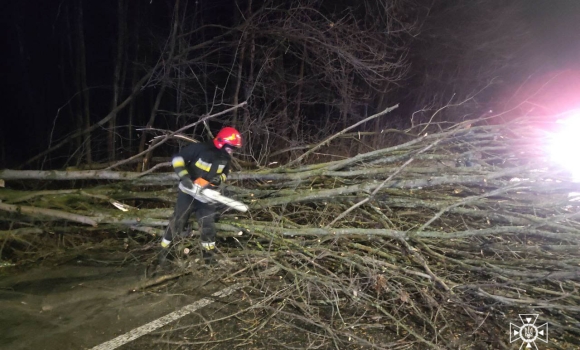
(196, 165)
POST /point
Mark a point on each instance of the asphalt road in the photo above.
(87, 307)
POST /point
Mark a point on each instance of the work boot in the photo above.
(208, 257)
(207, 252)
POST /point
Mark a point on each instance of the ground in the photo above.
(87, 301)
(79, 305)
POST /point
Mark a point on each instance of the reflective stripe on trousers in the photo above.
(208, 245)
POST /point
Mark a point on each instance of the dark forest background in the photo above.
(82, 78)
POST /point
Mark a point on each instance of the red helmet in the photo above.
(228, 136)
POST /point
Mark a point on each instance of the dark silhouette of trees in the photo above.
(464, 51)
(306, 68)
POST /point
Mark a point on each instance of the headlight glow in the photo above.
(564, 146)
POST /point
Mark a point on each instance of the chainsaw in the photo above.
(202, 193)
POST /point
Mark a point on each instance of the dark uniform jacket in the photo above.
(202, 160)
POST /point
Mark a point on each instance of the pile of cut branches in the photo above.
(438, 242)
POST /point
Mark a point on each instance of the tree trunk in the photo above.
(164, 82)
(427, 234)
(132, 105)
(250, 80)
(297, 118)
(117, 81)
(73, 106)
(239, 78)
(84, 90)
(285, 123)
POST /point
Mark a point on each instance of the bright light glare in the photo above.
(564, 146)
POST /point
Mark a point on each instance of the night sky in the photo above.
(555, 26)
(32, 88)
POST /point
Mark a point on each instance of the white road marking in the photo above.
(165, 320)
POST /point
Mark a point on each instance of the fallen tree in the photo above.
(442, 240)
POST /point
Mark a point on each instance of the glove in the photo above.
(186, 182)
(216, 181)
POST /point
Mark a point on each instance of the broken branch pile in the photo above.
(434, 243)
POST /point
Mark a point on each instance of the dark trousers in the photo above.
(204, 213)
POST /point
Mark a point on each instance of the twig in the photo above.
(169, 136)
(327, 141)
(343, 214)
